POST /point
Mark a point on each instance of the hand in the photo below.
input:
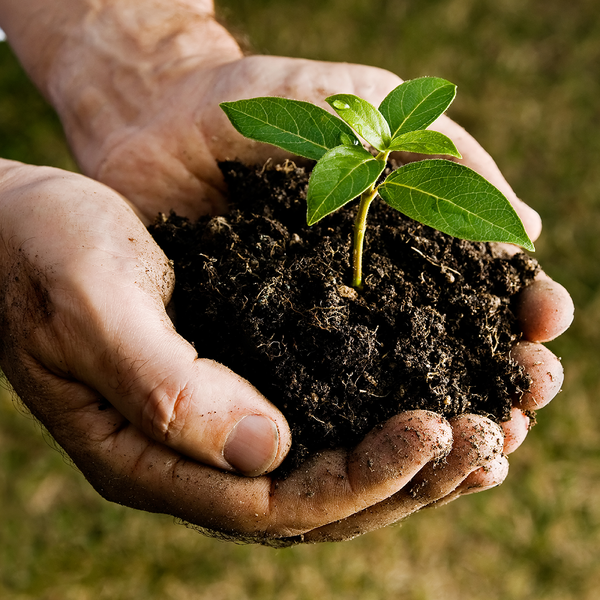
(160, 163)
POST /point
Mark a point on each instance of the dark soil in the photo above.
(261, 292)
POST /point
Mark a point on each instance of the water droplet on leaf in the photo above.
(341, 105)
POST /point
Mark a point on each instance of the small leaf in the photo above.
(416, 104)
(363, 118)
(424, 142)
(299, 127)
(340, 176)
(456, 200)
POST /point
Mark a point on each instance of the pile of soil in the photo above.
(261, 292)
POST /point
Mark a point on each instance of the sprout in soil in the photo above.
(437, 192)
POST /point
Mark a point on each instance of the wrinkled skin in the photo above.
(86, 340)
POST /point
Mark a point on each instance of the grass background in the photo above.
(529, 89)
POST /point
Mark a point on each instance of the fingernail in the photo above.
(252, 445)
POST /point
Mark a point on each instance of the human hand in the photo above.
(88, 346)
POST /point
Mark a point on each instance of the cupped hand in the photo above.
(88, 346)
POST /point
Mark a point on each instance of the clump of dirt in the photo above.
(261, 292)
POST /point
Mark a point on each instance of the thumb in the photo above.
(196, 406)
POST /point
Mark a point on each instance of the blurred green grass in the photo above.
(529, 82)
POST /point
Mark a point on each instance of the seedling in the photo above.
(437, 192)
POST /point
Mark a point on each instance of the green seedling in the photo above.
(437, 192)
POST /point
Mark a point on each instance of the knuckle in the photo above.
(164, 412)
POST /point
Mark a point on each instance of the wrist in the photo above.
(105, 65)
(51, 38)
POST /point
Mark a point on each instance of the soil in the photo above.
(261, 292)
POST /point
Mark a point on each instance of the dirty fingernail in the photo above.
(252, 445)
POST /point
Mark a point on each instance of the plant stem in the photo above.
(360, 226)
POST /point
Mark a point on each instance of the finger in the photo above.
(515, 430)
(384, 462)
(197, 407)
(480, 480)
(545, 371)
(477, 442)
(485, 478)
(545, 310)
(475, 157)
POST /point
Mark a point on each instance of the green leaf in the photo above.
(416, 104)
(299, 127)
(456, 200)
(425, 142)
(363, 118)
(340, 176)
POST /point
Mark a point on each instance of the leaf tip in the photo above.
(311, 220)
(229, 110)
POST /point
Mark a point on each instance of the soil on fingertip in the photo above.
(261, 292)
